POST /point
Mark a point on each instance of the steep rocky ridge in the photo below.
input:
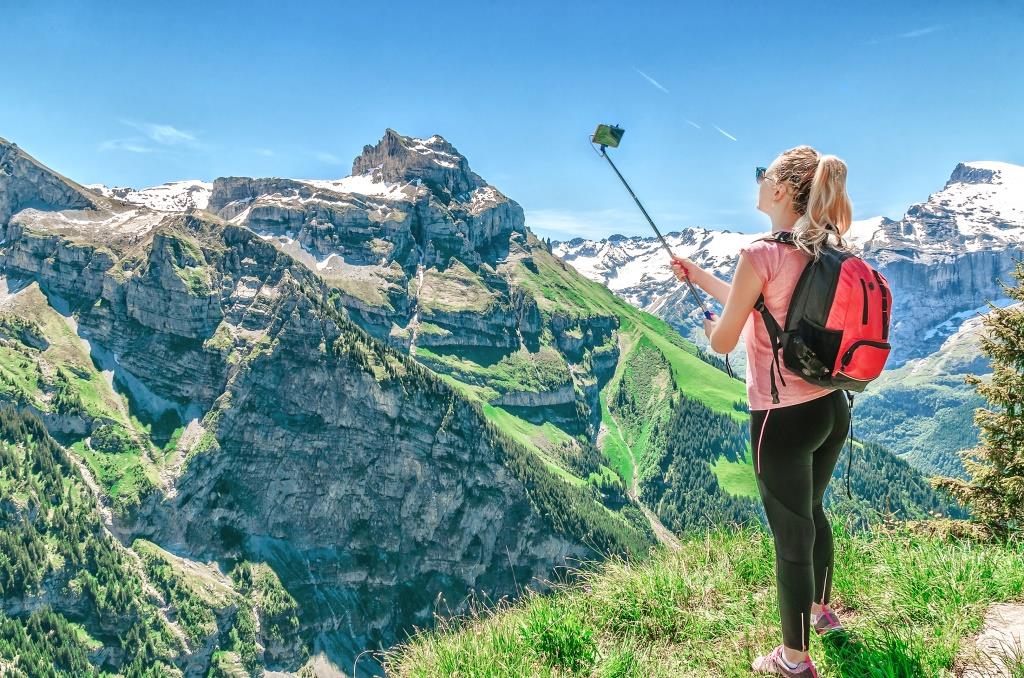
(945, 257)
(257, 387)
(368, 485)
(420, 251)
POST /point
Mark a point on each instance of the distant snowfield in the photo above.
(987, 209)
(174, 196)
(361, 184)
(128, 223)
(963, 321)
(622, 263)
(985, 204)
(981, 206)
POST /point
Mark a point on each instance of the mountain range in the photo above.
(282, 422)
(945, 261)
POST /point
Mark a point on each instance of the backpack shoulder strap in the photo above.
(785, 237)
(775, 334)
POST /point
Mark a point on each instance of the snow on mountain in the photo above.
(637, 267)
(174, 196)
(361, 184)
(981, 207)
(943, 259)
(633, 265)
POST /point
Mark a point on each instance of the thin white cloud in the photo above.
(155, 138)
(324, 156)
(265, 152)
(724, 133)
(165, 135)
(693, 123)
(129, 145)
(652, 80)
(918, 32)
(915, 33)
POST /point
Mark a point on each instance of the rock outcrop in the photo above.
(371, 488)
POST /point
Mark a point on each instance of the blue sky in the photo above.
(120, 94)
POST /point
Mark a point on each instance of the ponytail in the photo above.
(819, 197)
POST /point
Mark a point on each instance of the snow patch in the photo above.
(361, 184)
(173, 196)
(963, 320)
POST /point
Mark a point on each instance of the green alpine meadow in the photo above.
(222, 456)
(412, 340)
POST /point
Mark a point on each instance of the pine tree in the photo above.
(995, 490)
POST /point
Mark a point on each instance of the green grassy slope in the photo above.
(924, 411)
(643, 339)
(654, 362)
(557, 286)
(45, 365)
(908, 602)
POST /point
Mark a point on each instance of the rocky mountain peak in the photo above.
(24, 183)
(432, 161)
(980, 172)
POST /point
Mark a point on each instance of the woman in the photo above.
(799, 439)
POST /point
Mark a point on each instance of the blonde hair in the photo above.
(818, 184)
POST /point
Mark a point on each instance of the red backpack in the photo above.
(837, 326)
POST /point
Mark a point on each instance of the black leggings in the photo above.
(795, 451)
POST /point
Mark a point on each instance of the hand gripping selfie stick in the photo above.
(611, 135)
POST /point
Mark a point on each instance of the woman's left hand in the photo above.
(710, 325)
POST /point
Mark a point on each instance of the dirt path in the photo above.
(998, 647)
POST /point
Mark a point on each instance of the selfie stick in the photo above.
(609, 136)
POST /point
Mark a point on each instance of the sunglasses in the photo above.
(759, 174)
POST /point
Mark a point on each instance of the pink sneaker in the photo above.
(827, 621)
(774, 664)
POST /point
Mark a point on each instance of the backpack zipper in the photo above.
(864, 316)
(885, 306)
(849, 352)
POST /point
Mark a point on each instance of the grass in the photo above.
(84, 638)
(736, 478)
(19, 375)
(499, 369)
(644, 373)
(123, 475)
(65, 351)
(907, 600)
(457, 288)
(559, 288)
(614, 446)
(655, 360)
(197, 279)
(524, 432)
(193, 600)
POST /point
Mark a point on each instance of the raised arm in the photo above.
(706, 280)
(746, 287)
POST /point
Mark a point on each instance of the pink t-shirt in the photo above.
(779, 267)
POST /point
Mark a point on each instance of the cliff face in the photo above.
(371, 488)
(422, 254)
(949, 253)
(24, 183)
